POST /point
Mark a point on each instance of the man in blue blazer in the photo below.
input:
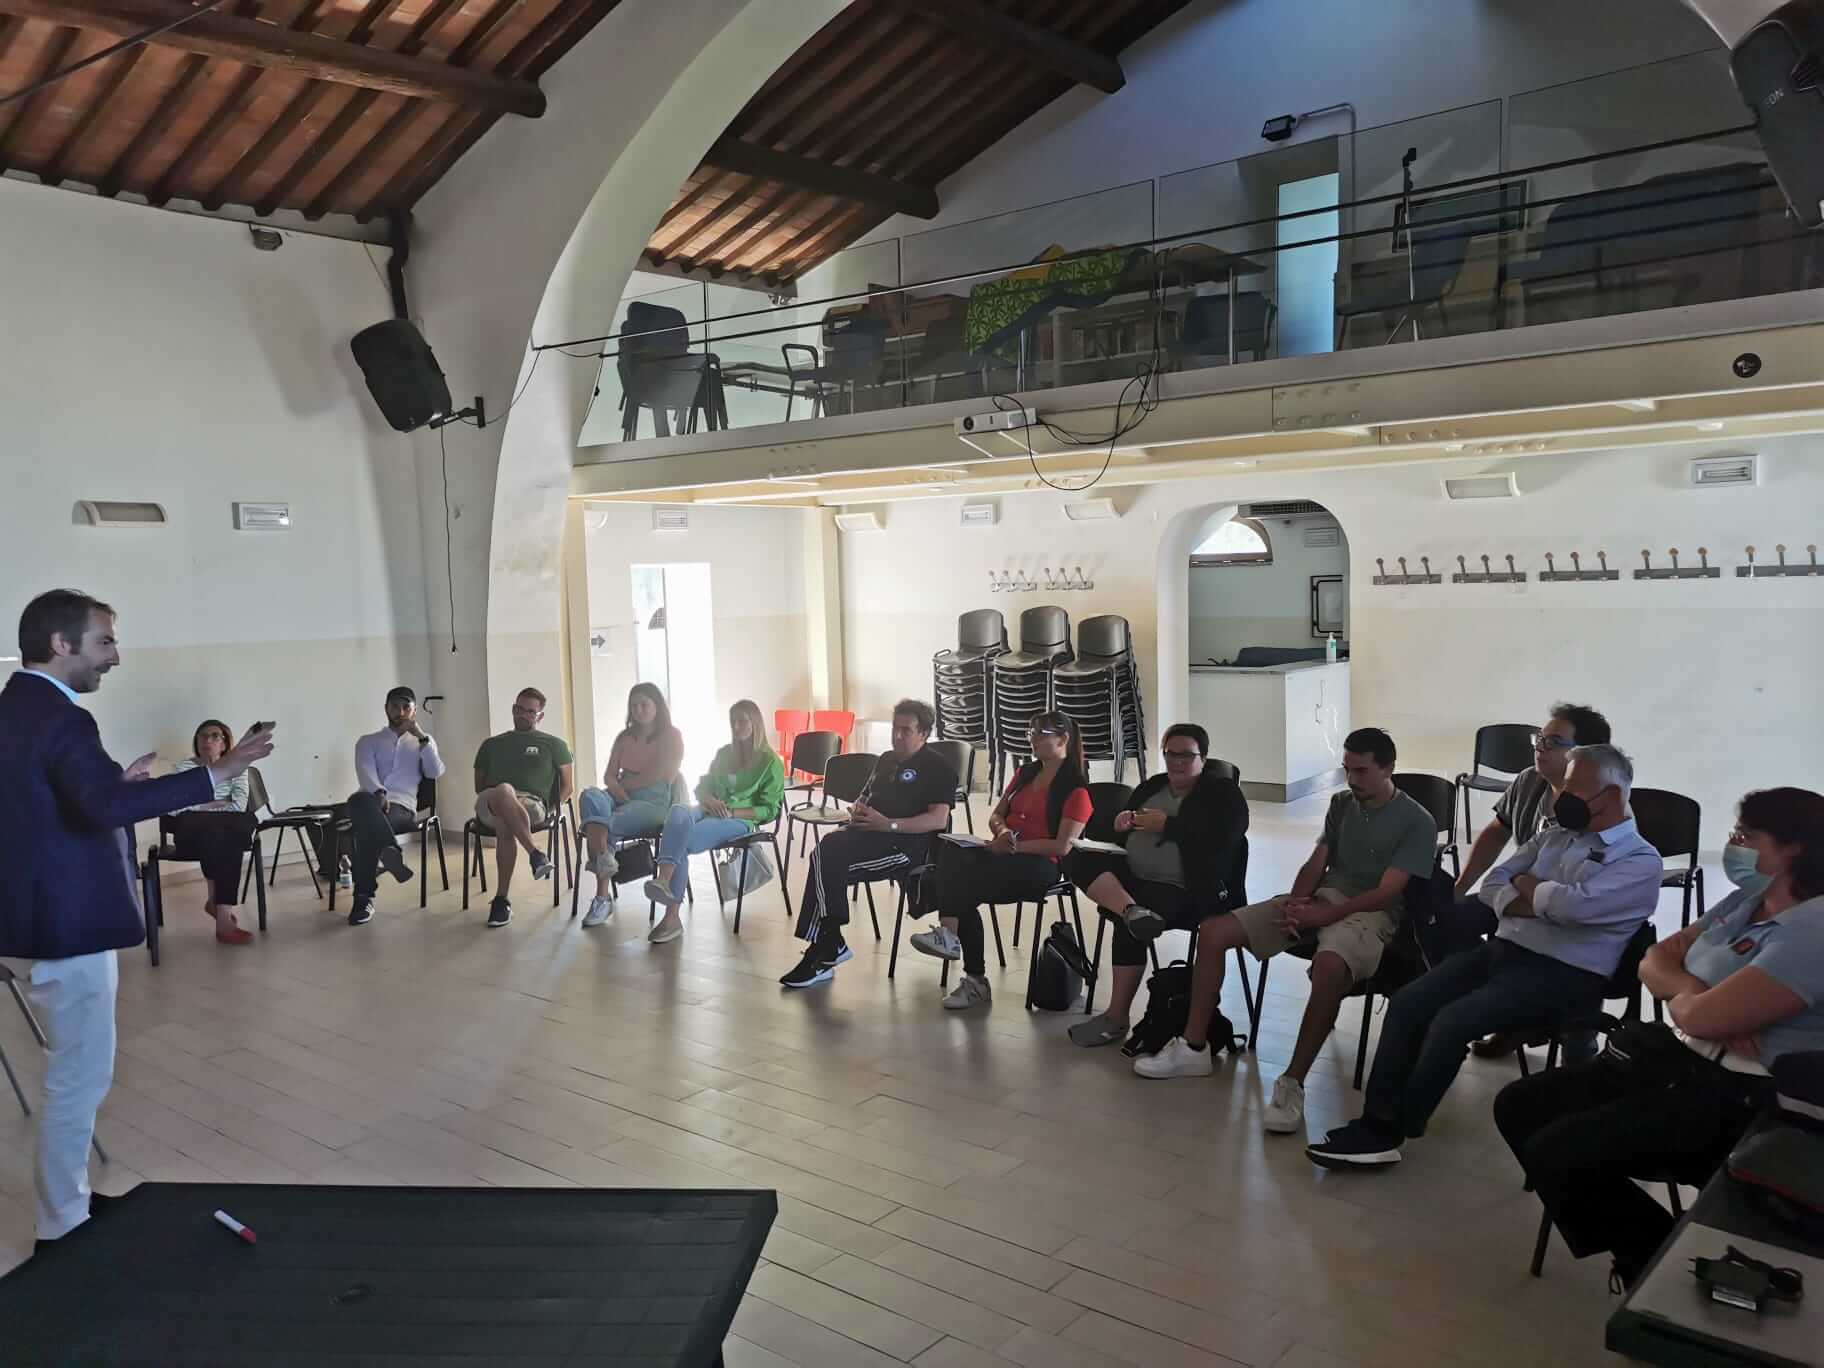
(67, 898)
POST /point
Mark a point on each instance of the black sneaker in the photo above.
(500, 912)
(1361, 1144)
(541, 867)
(362, 913)
(811, 970)
(1143, 924)
(842, 956)
(393, 862)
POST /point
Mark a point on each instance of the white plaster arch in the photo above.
(532, 237)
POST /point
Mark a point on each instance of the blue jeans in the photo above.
(689, 832)
(623, 821)
(1430, 1023)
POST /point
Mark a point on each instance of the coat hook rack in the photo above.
(1050, 580)
(1406, 576)
(1753, 571)
(1025, 583)
(1553, 575)
(1488, 575)
(1702, 570)
(1081, 581)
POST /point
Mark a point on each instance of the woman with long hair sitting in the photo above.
(1044, 810)
(1743, 985)
(636, 791)
(216, 834)
(740, 793)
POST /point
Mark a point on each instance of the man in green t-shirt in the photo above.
(518, 774)
(1345, 902)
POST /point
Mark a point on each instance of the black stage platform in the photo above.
(378, 1277)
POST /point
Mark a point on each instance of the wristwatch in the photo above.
(892, 826)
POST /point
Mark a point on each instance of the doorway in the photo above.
(674, 647)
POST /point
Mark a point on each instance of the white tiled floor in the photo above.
(955, 1191)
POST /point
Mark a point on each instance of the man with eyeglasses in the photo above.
(1521, 813)
(905, 802)
(1569, 902)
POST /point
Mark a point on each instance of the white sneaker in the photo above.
(1176, 1060)
(939, 942)
(665, 932)
(1285, 1114)
(600, 909)
(971, 992)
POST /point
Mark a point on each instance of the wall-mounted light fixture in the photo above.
(1280, 128)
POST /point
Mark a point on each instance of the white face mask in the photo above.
(1739, 868)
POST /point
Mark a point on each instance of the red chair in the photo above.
(842, 723)
(787, 723)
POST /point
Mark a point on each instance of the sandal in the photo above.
(1098, 1030)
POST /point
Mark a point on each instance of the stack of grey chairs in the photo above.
(1023, 684)
(960, 678)
(1100, 691)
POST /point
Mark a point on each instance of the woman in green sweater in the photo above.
(742, 791)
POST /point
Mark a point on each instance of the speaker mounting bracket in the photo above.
(478, 411)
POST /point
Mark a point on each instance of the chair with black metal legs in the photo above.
(426, 822)
(31, 1022)
(844, 779)
(307, 821)
(1624, 985)
(163, 851)
(745, 844)
(1504, 747)
(1062, 890)
(560, 821)
(811, 754)
(1670, 822)
(960, 756)
(1438, 796)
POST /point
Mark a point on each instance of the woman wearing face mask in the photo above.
(1742, 986)
(741, 792)
(1044, 810)
(216, 834)
(636, 791)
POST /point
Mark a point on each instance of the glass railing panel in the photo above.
(651, 387)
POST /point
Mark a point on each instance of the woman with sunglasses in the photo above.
(1044, 810)
(1743, 986)
(1182, 831)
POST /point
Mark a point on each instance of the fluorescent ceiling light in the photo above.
(1091, 510)
(1504, 485)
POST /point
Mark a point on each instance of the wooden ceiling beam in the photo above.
(1024, 41)
(826, 178)
(274, 48)
(119, 69)
(21, 113)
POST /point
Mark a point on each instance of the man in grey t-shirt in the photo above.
(1348, 897)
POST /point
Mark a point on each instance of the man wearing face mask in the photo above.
(1568, 903)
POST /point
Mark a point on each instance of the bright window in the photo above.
(1239, 541)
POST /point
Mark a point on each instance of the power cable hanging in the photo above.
(135, 40)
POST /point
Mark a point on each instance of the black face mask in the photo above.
(1572, 812)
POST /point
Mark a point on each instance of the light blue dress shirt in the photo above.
(1595, 890)
(395, 761)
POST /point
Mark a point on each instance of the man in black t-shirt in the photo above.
(904, 803)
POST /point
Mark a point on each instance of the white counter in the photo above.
(1283, 725)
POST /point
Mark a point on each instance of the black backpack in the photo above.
(1168, 1011)
(1057, 978)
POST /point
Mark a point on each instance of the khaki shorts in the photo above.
(484, 811)
(1358, 939)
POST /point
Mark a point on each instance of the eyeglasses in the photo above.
(1185, 755)
(1739, 836)
(1048, 731)
(1544, 742)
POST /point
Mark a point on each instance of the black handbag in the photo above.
(1057, 977)
(635, 863)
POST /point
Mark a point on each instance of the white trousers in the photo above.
(74, 1002)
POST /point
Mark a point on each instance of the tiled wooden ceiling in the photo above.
(864, 121)
(350, 107)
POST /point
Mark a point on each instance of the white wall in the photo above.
(756, 566)
(154, 356)
(1709, 684)
(1262, 605)
(1201, 84)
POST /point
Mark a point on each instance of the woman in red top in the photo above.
(1038, 819)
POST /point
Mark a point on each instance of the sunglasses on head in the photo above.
(1048, 731)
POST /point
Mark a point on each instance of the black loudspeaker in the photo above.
(1779, 68)
(402, 373)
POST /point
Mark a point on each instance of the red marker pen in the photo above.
(223, 1218)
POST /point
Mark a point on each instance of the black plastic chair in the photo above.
(854, 356)
(307, 821)
(427, 823)
(152, 889)
(31, 1022)
(1505, 747)
(819, 752)
(659, 371)
(844, 778)
(1670, 822)
(1204, 340)
(1624, 984)
(1438, 796)
(960, 756)
(560, 821)
(811, 752)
